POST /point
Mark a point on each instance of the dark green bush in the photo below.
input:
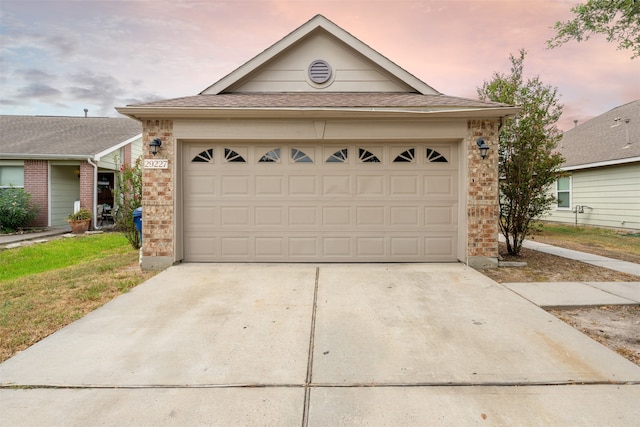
(16, 209)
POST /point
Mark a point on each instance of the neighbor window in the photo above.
(11, 176)
(563, 192)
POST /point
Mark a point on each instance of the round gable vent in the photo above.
(319, 71)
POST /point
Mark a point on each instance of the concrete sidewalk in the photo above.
(11, 239)
(326, 345)
(600, 261)
(578, 294)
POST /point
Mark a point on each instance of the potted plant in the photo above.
(79, 221)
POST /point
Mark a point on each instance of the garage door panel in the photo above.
(237, 246)
(302, 216)
(336, 215)
(442, 185)
(270, 247)
(235, 185)
(342, 211)
(269, 186)
(337, 247)
(234, 216)
(370, 215)
(440, 215)
(199, 216)
(302, 185)
(200, 248)
(336, 185)
(405, 246)
(199, 186)
(269, 216)
(370, 186)
(405, 216)
(442, 246)
(373, 247)
(304, 247)
(404, 185)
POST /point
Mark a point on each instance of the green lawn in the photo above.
(46, 286)
(56, 254)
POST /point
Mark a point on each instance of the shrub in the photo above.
(82, 214)
(16, 209)
(128, 197)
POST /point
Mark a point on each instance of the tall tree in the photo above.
(618, 20)
(527, 164)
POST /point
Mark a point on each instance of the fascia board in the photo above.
(600, 164)
(182, 113)
(103, 153)
(4, 156)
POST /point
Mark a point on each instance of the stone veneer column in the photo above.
(36, 183)
(482, 195)
(158, 216)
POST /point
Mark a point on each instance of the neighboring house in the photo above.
(61, 160)
(319, 149)
(602, 186)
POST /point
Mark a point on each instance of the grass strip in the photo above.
(35, 305)
(57, 254)
(600, 241)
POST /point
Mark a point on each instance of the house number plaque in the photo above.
(156, 164)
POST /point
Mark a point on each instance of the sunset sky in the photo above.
(59, 57)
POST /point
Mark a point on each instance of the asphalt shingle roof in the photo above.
(604, 138)
(321, 100)
(42, 135)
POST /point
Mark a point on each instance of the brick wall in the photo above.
(482, 196)
(86, 186)
(36, 183)
(126, 156)
(157, 193)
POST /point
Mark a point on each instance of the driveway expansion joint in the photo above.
(307, 394)
(320, 385)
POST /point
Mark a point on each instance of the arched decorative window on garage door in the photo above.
(233, 157)
(406, 156)
(205, 157)
(299, 156)
(366, 156)
(434, 157)
(271, 156)
(339, 156)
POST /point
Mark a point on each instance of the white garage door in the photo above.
(337, 202)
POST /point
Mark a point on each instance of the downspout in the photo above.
(94, 191)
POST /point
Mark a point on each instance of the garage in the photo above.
(327, 202)
(319, 149)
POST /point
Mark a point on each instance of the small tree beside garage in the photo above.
(128, 197)
(528, 165)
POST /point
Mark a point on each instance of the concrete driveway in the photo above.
(319, 345)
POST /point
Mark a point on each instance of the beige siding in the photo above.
(612, 195)
(65, 189)
(111, 161)
(314, 130)
(350, 72)
(136, 149)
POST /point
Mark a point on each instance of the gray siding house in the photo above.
(602, 186)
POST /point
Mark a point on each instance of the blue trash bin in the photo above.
(137, 219)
